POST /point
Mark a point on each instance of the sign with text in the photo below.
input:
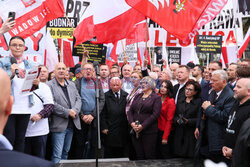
(131, 53)
(174, 55)
(209, 44)
(62, 27)
(97, 52)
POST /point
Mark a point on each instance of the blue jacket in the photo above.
(217, 117)
(5, 64)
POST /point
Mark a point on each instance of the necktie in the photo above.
(117, 95)
(214, 98)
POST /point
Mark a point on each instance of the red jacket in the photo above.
(166, 117)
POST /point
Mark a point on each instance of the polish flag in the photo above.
(31, 15)
(181, 18)
(245, 43)
(108, 21)
(51, 55)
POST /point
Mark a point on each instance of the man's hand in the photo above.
(72, 113)
(164, 141)
(36, 81)
(105, 131)
(87, 118)
(145, 63)
(227, 152)
(205, 104)
(13, 67)
(36, 117)
(196, 133)
(7, 25)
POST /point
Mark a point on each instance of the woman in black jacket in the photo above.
(185, 120)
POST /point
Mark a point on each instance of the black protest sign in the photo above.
(97, 52)
(208, 44)
(174, 55)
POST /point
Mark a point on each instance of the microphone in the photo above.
(96, 66)
(13, 61)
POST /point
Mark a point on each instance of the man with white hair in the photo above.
(114, 121)
(174, 69)
(238, 115)
(216, 111)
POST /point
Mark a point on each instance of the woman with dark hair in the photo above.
(17, 66)
(166, 119)
(142, 116)
(51, 76)
(185, 120)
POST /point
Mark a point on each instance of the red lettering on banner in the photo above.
(157, 43)
(3, 43)
(169, 39)
(231, 38)
(36, 41)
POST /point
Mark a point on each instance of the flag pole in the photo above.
(234, 22)
(146, 38)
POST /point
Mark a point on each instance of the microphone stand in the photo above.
(97, 95)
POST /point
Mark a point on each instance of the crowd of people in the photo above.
(186, 111)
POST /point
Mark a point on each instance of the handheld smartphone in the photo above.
(12, 15)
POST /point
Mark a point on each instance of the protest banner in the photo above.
(209, 44)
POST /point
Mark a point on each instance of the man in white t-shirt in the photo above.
(38, 127)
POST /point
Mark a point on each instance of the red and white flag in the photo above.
(181, 18)
(51, 55)
(245, 43)
(108, 21)
(31, 15)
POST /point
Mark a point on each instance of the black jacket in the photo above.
(181, 94)
(238, 115)
(241, 153)
(113, 118)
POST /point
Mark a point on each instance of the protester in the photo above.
(165, 119)
(241, 150)
(137, 68)
(114, 124)
(245, 62)
(38, 127)
(216, 110)
(231, 72)
(51, 76)
(183, 76)
(243, 71)
(44, 74)
(135, 78)
(174, 69)
(114, 72)
(104, 74)
(197, 74)
(185, 120)
(127, 85)
(206, 74)
(142, 117)
(16, 126)
(239, 113)
(67, 105)
(7, 156)
(85, 139)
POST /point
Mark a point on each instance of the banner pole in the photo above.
(146, 39)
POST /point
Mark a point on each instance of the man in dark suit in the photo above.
(183, 76)
(114, 122)
(217, 110)
(9, 158)
(231, 72)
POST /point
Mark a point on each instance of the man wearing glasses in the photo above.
(85, 139)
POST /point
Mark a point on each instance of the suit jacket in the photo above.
(60, 115)
(113, 118)
(217, 117)
(10, 158)
(181, 94)
(146, 112)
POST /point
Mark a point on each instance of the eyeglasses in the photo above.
(87, 69)
(17, 45)
(114, 72)
(188, 89)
